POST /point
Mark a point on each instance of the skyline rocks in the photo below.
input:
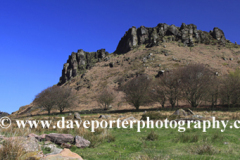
(78, 62)
(186, 34)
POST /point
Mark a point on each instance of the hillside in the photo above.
(144, 50)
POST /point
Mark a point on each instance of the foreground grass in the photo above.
(154, 144)
(169, 144)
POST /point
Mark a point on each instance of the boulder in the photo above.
(65, 154)
(38, 137)
(218, 33)
(104, 116)
(180, 112)
(111, 64)
(29, 144)
(32, 135)
(144, 60)
(190, 112)
(77, 116)
(66, 145)
(53, 149)
(80, 142)
(41, 137)
(32, 155)
(172, 30)
(160, 73)
(129, 119)
(197, 116)
(59, 138)
(110, 106)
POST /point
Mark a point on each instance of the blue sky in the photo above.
(37, 36)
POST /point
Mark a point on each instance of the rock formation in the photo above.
(78, 62)
(187, 34)
(3, 114)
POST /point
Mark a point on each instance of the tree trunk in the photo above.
(162, 105)
(194, 104)
(173, 105)
(137, 107)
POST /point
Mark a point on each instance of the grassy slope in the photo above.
(132, 145)
(101, 75)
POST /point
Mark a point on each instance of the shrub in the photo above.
(105, 98)
(195, 80)
(186, 138)
(204, 149)
(153, 116)
(217, 137)
(110, 138)
(137, 91)
(97, 138)
(46, 150)
(12, 150)
(235, 116)
(152, 136)
(230, 89)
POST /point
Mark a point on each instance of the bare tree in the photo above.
(106, 98)
(137, 91)
(230, 89)
(157, 93)
(170, 82)
(46, 99)
(65, 98)
(212, 93)
(55, 97)
(195, 80)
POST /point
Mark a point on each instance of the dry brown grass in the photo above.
(12, 149)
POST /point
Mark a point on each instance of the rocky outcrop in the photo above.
(65, 140)
(80, 142)
(3, 114)
(60, 138)
(65, 154)
(38, 137)
(180, 112)
(187, 34)
(77, 116)
(77, 63)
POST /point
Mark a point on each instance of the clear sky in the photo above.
(37, 36)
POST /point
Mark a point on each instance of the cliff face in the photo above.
(78, 62)
(186, 34)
